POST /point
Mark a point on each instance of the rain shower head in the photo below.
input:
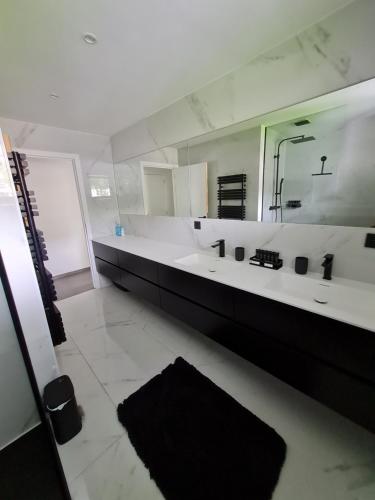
(300, 123)
(303, 139)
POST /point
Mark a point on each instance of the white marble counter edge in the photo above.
(167, 253)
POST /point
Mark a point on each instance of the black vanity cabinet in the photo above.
(330, 361)
(105, 252)
(206, 293)
(143, 288)
(144, 268)
(108, 270)
(131, 272)
(346, 347)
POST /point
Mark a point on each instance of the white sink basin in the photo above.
(208, 264)
(344, 298)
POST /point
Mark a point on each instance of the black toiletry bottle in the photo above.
(301, 265)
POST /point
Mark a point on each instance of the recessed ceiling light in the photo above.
(54, 96)
(90, 38)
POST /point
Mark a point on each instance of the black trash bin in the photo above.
(61, 404)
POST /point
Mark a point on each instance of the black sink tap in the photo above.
(327, 264)
(221, 245)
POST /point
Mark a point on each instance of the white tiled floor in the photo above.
(117, 343)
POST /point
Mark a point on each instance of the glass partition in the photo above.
(19, 412)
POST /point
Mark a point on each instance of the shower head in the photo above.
(303, 139)
(300, 123)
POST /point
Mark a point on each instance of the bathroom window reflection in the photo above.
(99, 186)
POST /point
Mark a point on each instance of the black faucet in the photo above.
(221, 245)
(327, 264)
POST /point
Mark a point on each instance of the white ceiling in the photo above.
(149, 53)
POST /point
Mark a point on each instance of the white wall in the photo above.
(95, 156)
(21, 274)
(330, 55)
(352, 259)
(60, 218)
(233, 154)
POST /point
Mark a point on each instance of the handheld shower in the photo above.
(323, 160)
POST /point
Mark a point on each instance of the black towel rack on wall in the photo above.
(239, 193)
(38, 250)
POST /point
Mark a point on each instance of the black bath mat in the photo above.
(198, 442)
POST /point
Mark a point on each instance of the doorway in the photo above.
(59, 215)
(158, 191)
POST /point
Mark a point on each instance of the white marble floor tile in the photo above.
(66, 349)
(120, 342)
(97, 308)
(100, 424)
(118, 474)
(122, 356)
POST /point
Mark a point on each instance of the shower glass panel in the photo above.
(19, 412)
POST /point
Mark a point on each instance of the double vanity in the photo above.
(274, 319)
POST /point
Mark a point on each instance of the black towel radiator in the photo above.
(239, 193)
(26, 200)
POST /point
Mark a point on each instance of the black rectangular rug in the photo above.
(198, 442)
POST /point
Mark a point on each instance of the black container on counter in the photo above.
(239, 253)
(301, 265)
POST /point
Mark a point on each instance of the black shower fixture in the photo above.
(277, 205)
(323, 160)
(302, 122)
(303, 139)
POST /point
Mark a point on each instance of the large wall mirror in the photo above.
(312, 163)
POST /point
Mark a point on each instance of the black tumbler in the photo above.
(239, 253)
(301, 265)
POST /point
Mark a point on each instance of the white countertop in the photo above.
(351, 302)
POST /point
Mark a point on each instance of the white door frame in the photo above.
(78, 175)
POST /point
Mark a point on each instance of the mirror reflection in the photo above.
(153, 184)
(321, 169)
(313, 163)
